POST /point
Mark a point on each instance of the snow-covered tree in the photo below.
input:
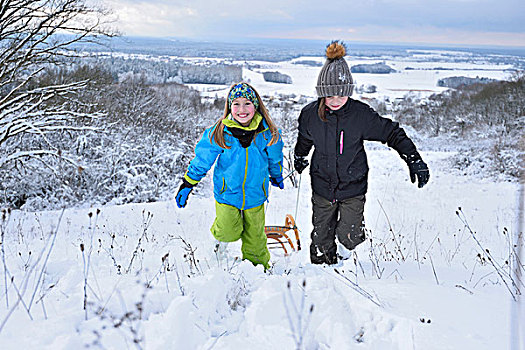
(211, 74)
(35, 35)
(277, 77)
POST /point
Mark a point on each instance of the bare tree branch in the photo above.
(35, 153)
(35, 35)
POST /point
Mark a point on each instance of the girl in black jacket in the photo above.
(336, 126)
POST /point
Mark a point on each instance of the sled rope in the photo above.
(298, 192)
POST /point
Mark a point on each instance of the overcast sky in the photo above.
(472, 22)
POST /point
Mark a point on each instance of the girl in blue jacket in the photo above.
(247, 150)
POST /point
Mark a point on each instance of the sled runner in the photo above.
(281, 239)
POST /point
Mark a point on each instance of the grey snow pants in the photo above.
(342, 219)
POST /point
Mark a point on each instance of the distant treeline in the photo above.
(276, 50)
(374, 68)
(455, 82)
(157, 71)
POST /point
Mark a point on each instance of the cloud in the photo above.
(419, 34)
(153, 18)
(378, 20)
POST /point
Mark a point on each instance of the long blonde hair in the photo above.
(217, 134)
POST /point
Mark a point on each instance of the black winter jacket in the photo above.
(339, 168)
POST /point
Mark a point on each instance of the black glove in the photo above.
(418, 168)
(182, 195)
(299, 163)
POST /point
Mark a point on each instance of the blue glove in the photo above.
(182, 195)
(277, 181)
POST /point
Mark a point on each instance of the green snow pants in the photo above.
(232, 224)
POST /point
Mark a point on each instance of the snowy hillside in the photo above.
(96, 133)
(145, 275)
(436, 272)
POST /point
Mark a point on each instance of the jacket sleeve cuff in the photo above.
(412, 157)
(190, 180)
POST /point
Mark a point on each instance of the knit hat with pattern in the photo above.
(335, 78)
(242, 90)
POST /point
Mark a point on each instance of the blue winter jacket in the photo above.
(241, 175)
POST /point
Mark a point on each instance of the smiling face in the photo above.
(335, 102)
(243, 110)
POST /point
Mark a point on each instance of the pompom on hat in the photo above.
(335, 78)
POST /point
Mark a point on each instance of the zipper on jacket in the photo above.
(332, 188)
(264, 191)
(341, 142)
(244, 181)
(223, 186)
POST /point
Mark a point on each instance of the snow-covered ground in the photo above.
(148, 273)
(434, 274)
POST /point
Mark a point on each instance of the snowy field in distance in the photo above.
(427, 67)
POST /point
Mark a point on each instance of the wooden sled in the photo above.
(280, 238)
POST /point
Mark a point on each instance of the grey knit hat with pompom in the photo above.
(335, 78)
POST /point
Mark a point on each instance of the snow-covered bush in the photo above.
(369, 89)
(210, 74)
(492, 114)
(136, 152)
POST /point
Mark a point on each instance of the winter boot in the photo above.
(344, 253)
(319, 257)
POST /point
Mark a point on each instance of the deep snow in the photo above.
(433, 294)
